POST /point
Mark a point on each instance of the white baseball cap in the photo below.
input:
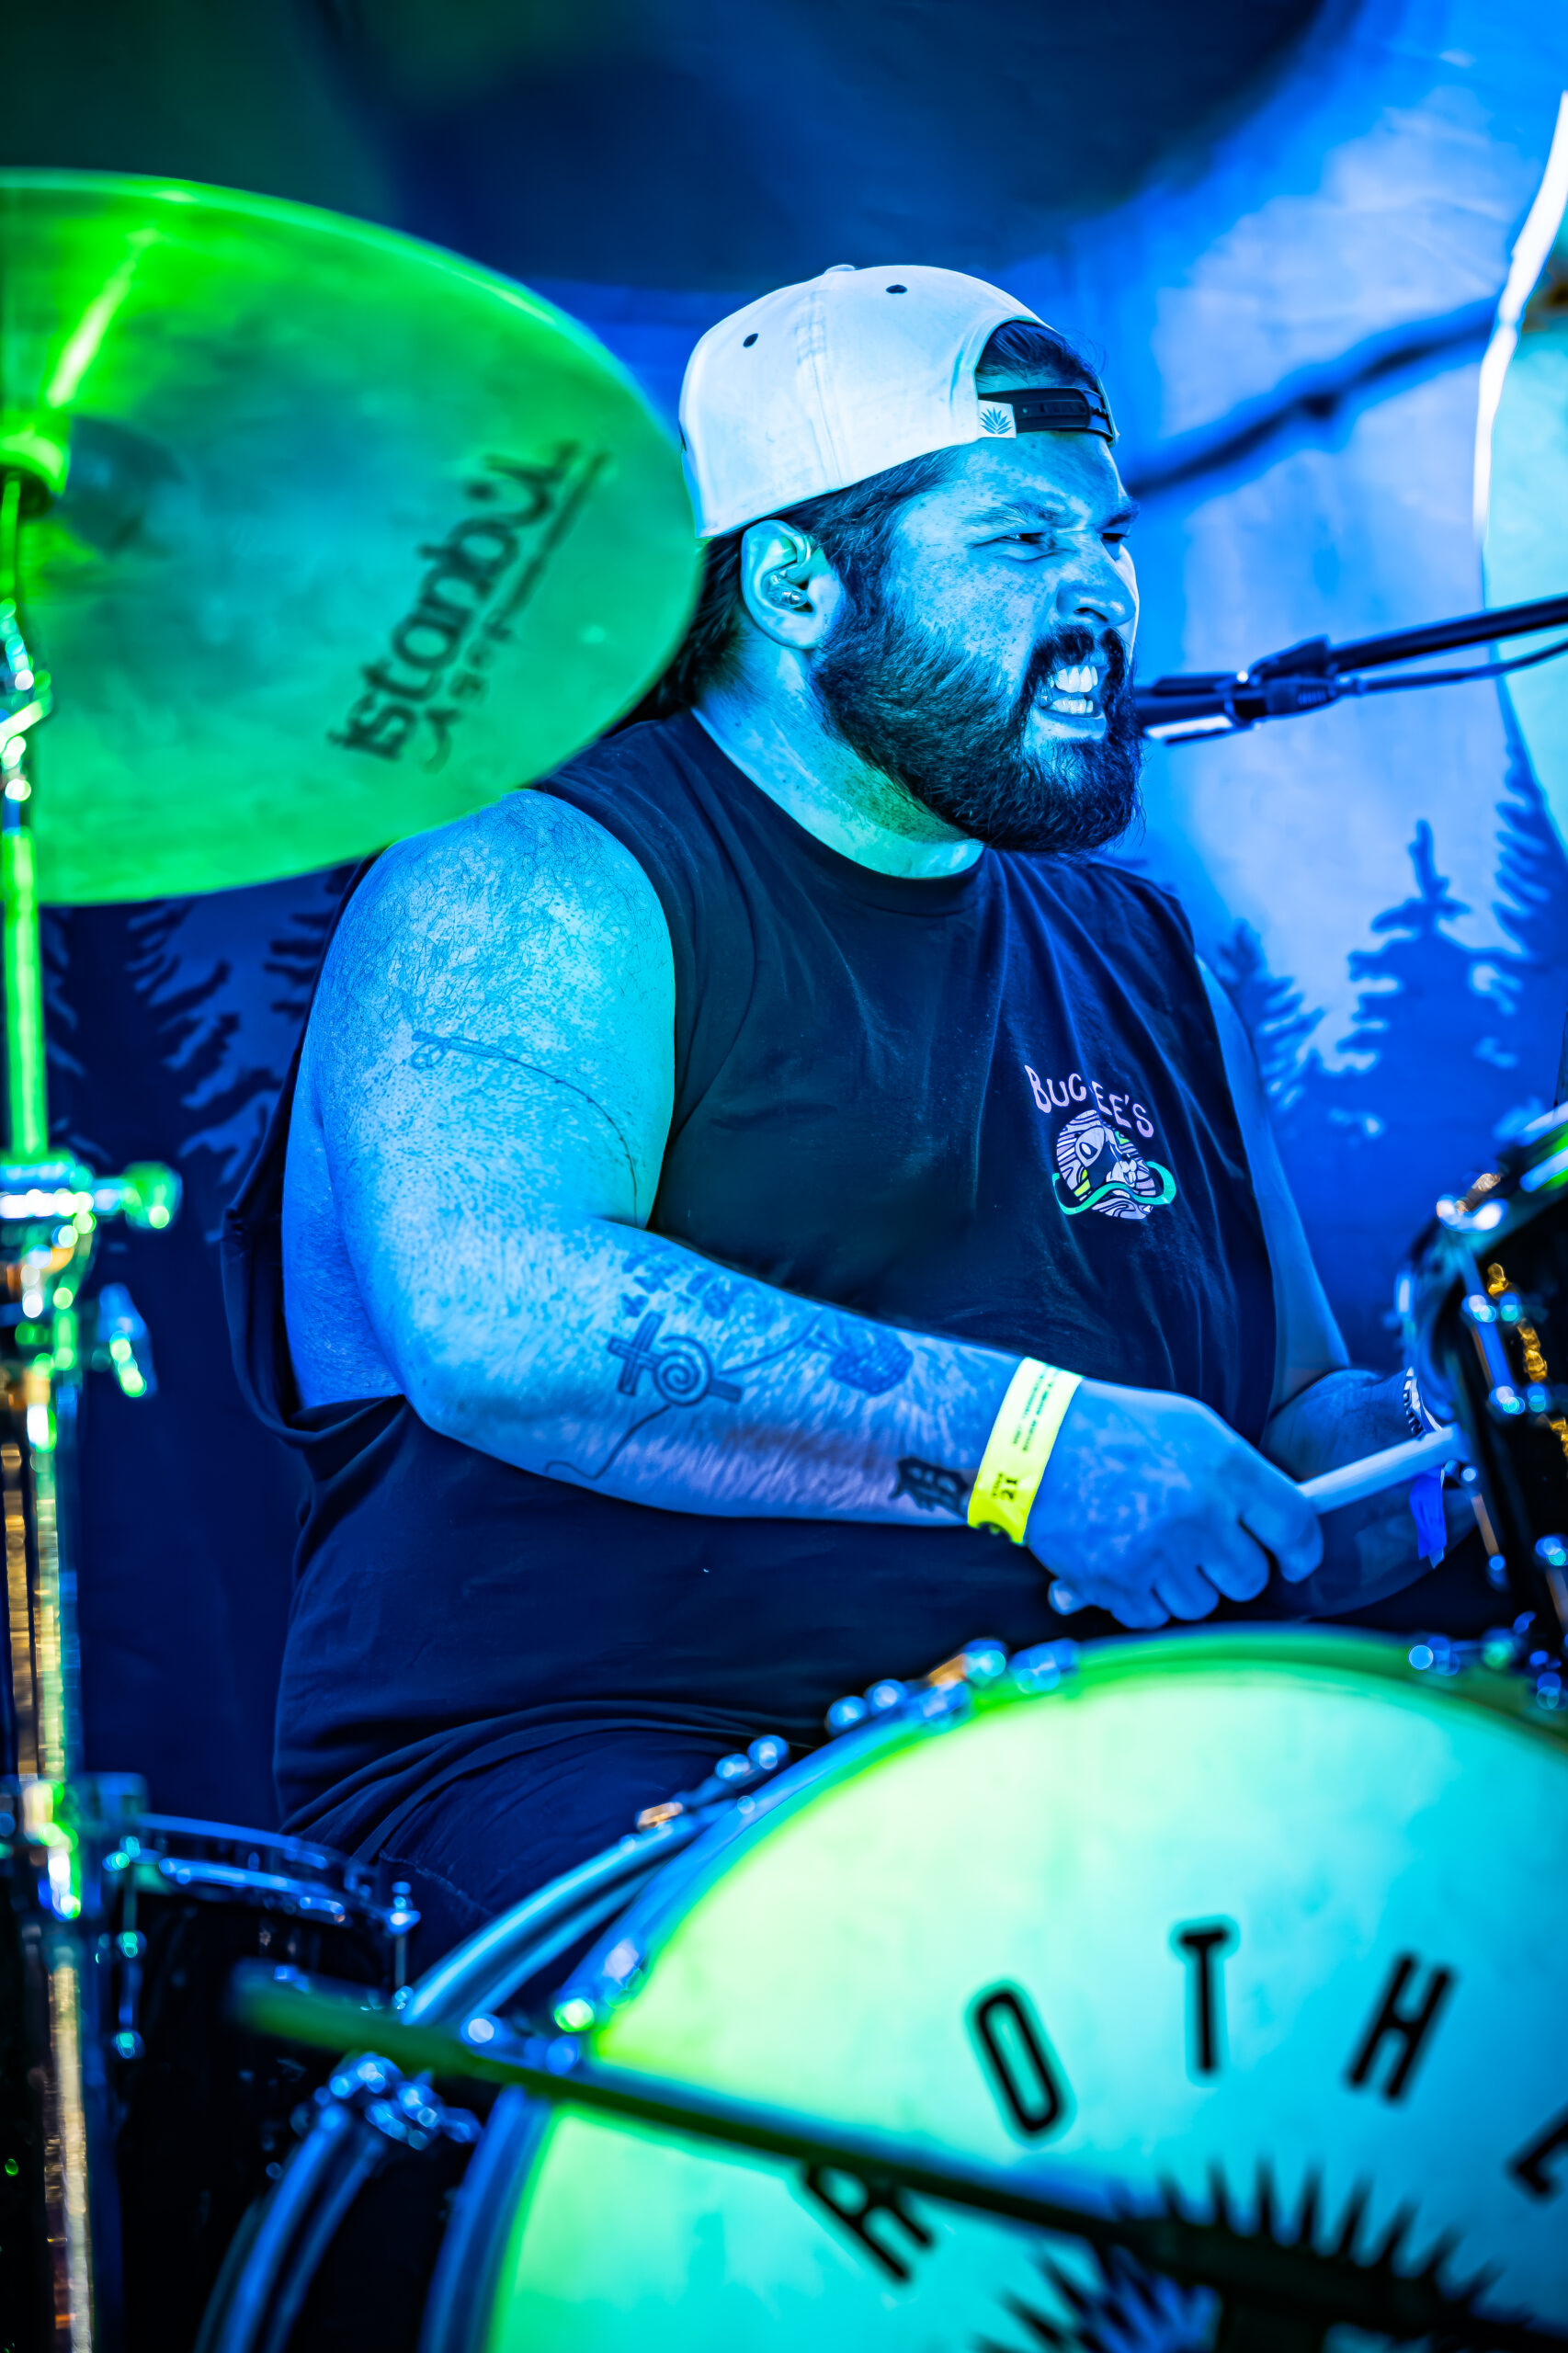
(823, 384)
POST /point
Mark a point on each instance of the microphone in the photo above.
(1310, 675)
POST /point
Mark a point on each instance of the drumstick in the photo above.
(1354, 1481)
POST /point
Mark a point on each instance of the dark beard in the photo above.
(937, 722)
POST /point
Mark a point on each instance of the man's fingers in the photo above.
(1141, 1611)
(1127, 1606)
(1274, 1509)
(1239, 1566)
(1185, 1591)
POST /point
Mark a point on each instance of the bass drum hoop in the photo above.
(463, 2288)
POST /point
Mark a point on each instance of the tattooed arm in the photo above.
(482, 1110)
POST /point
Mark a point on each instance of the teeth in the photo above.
(1082, 681)
(1071, 706)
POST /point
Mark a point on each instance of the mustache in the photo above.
(1070, 648)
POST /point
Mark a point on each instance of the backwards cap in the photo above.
(823, 384)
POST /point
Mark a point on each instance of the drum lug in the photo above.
(129, 1947)
(399, 1919)
(1039, 1670)
(1504, 1649)
(556, 2054)
(945, 1691)
(402, 2110)
(731, 1776)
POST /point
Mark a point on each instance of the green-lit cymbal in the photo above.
(354, 536)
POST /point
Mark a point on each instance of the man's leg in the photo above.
(487, 1840)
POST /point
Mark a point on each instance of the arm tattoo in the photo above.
(680, 1372)
(861, 1356)
(931, 1487)
(429, 1046)
(680, 1367)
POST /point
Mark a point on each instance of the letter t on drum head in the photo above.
(1204, 1945)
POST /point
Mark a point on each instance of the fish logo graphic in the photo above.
(1101, 1167)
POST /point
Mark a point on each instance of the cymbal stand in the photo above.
(54, 1820)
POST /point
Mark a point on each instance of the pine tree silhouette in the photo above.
(187, 1506)
(295, 953)
(1372, 1144)
(1533, 908)
(193, 1041)
(1453, 1046)
(1272, 1012)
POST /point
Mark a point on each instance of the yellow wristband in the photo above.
(1019, 1447)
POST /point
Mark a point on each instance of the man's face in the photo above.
(990, 672)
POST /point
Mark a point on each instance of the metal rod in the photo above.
(60, 1664)
(27, 1104)
(20, 1609)
(1440, 637)
(40, 1583)
(65, 2145)
(25, 702)
(1353, 1482)
(1314, 674)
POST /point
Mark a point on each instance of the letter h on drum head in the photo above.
(1405, 2027)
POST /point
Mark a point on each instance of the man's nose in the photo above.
(1092, 591)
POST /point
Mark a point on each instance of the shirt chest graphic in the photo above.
(1098, 1135)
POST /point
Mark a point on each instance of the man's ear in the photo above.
(792, 591)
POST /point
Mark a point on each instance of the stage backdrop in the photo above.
(1282, 227)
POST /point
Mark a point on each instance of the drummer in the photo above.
(776, 1200)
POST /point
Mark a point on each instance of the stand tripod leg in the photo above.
(57, 1945)
(47, 1877)
(48, 1210)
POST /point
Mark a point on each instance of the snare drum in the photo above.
(204, 2109)
(1260, 1929)
(1485, 1307)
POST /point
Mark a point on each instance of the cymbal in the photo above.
(353, 535)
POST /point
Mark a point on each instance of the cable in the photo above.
(1456, 678)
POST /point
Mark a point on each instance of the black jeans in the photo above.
(484, 1841)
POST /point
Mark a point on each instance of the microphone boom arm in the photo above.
(1310, 675)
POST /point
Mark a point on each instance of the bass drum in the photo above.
(1264, 1928)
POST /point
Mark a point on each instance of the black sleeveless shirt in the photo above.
(992, 1106)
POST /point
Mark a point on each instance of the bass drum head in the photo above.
(1268, 1922)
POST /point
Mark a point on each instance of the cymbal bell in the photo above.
(350, 536)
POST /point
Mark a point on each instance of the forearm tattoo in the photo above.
(681, 1368)
(932, 1486)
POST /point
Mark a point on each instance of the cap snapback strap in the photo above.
(1059, 408)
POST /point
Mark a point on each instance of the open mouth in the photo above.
(1073, 691)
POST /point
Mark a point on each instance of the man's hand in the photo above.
(1370, 1548)
(1151, 1508)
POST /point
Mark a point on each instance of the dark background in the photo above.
(658, 142)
